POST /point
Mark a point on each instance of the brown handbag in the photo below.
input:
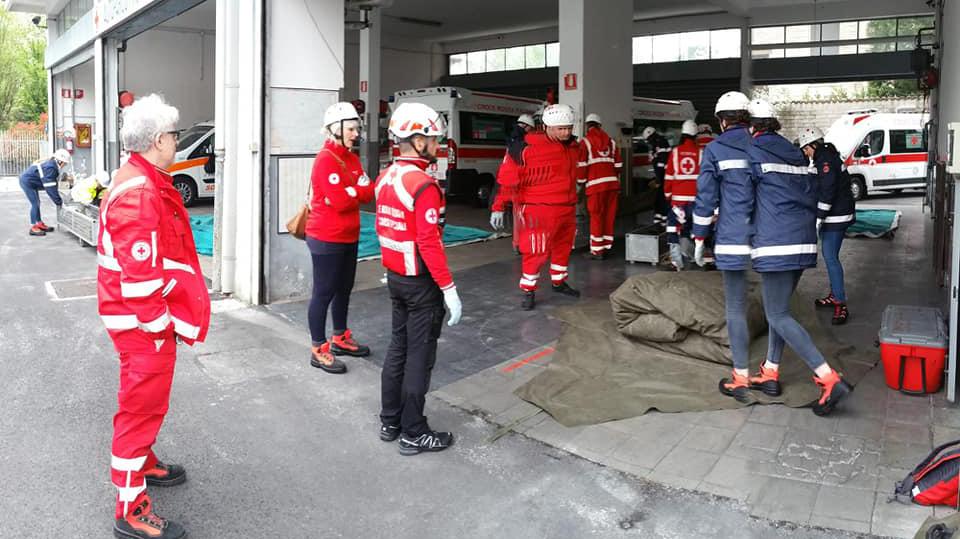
(297, 225)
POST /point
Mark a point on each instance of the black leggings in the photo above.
(334, 271)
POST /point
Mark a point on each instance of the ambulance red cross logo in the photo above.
(687, 165)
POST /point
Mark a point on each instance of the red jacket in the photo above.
(599, 162)
(339, 188)
(506, 175)
(704, 138)
(149, 283)
(409, 205)
(548, 174)
(683, 168)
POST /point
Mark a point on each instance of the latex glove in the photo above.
(698, 252)
(680, 214)
(496, 220)
(819, 222)
(452, 300)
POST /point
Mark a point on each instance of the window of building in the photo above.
(476, 62)
(515, 58)
(827, 39)
(553, 55)
(643, 49)
(458, 64)
(535, 56)
(724, 43)
(907, 141)
(496, 60)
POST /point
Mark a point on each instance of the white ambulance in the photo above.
(882, 151)
(667, 116)
(194, 167)
(478, 124)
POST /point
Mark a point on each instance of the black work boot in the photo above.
(142, 523)
(737, 387)
(566, 290)
(428, 441)
(389, 433)
(529, 301)
(165, 475)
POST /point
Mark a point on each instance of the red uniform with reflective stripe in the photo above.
(409, 205)
(339, 188)
(600, 162)
(150, 290)
(149, 275)
(683, 168)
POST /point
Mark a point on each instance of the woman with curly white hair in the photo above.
(151, 294)
(333, 234)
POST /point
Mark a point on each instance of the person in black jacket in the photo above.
(836, 211)
(659, 154)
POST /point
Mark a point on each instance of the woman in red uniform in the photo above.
(333, 232)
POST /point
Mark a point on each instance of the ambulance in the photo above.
(667, 116)
(478, 124)
(194, 165)
(882, 151)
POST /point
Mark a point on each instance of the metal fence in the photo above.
(19, 150)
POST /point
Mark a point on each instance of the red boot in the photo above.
(344, 345)
(767, 381)
(142, 523)
(44, 227)
(165, 475)
(323, 359)
(35, 230)
(832, 390)
(738, 387)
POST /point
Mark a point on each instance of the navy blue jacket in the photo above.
(43, 175)
(836, 206)
(725, 182)
(785, 215)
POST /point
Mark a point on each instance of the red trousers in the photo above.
(143, 398)
(545, 233)
(602, 208)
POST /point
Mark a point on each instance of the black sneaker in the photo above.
(566, 290)
(529, 300)
(428, 441)
(389, 433)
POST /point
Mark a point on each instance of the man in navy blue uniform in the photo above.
(44, 174)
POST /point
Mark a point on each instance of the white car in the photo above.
(194, 167)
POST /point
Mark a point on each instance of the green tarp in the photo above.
(875, 223)
(599, 374)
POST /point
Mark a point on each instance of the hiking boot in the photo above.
(840, 314)
(165, 475)
(344, 345)
(37, 231)
(428, 441)
(142, 523)
(738, 387)
(389, 433)
(44, 227)
(827, 301)
(529, 301)
(321, 358)
(832, 390)
(767, 381)
(566, 290)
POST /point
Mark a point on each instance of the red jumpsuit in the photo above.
(544, 193)
(600, 172)
(150, 292)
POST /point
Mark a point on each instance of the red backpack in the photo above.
(936, 480)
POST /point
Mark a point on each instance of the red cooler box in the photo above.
(913, 343)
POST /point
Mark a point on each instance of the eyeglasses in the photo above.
(176, 134)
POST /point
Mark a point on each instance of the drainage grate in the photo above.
(72, 289)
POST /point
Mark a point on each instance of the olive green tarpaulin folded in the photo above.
(600, 374)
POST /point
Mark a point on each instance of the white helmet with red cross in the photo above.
(411, 119)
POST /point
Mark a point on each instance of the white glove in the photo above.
(819, 222)
(698, 252)
(496, 220)
(676, 257)
(452, 300)
(680, 214)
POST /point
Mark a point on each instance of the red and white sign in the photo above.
(78, 93)
(363, 86)
(570, 81)
(66, 93)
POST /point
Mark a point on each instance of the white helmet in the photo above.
(593, 117)
(102, 178)
(808, 135)
(760, 108)
(62, 155)
(731, 102)
(411, 119)
(705, 128)
(339, 112)
(649, 130)
(527, 120)
(689, 128)
(558, 115)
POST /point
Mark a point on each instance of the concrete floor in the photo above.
(275, 448)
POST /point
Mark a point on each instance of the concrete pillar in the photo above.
(100, 117)
(106, 72)
(370, 92)
(596, 61)
(746, 58)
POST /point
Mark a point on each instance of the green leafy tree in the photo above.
(11, 40)
(23, 79)
(31, 100)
